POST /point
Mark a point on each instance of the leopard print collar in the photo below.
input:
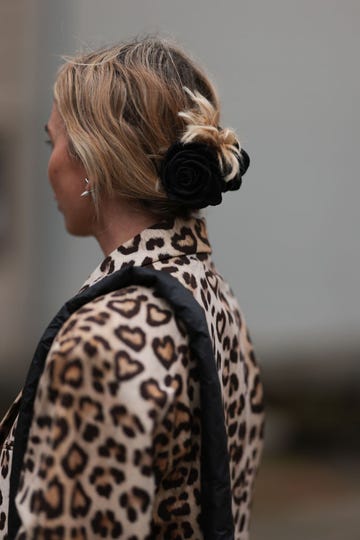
(159, 242)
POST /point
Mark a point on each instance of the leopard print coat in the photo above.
(114, 445)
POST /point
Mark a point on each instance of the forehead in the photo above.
(55, 122)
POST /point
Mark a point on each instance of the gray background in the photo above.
(287, 75)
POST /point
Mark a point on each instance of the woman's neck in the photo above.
(120, 220)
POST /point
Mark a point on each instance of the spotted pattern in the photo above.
(114, 447)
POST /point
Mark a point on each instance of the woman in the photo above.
(119, 438)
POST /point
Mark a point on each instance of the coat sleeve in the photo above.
(90, 466)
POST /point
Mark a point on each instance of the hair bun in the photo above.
(207, 160)
(244, 160)
(202, 126)
(235, 182)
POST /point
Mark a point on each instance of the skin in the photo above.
(120, 218)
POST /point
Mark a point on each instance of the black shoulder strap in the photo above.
(217, 521)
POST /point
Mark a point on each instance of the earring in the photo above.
(88, 191)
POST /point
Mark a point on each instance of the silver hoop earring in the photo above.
(88, 191)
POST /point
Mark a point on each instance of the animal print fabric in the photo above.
(7, 432)
(114, 445)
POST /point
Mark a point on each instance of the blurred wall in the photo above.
(35, 274)
(288, 79)
(17, 231)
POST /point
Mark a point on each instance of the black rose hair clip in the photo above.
(191, 174)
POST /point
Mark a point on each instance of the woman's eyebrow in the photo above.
(47, 129)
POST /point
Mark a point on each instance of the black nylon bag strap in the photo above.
(217, 520)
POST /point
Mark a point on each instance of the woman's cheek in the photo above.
(51, 169)
(54, 170)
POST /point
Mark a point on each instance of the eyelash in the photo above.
(47, 141)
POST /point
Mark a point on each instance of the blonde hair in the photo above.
(123, 106)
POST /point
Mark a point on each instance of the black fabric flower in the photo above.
(190, 174)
